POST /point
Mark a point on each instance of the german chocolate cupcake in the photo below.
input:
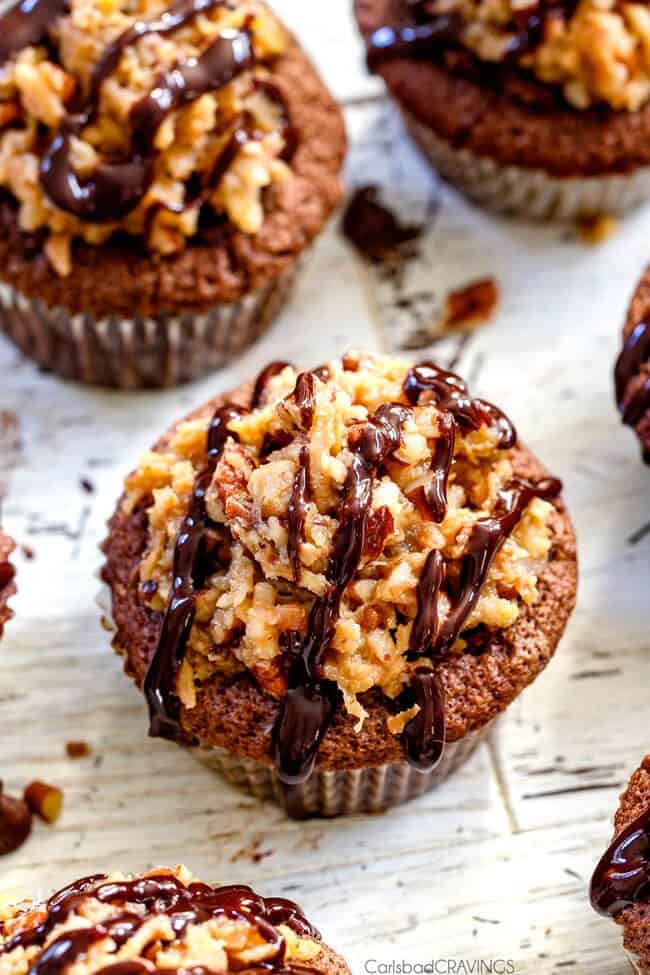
(620, 887)
(632, 373)
(161, 921)
(332, 582)
(539, 108)
(162, 169)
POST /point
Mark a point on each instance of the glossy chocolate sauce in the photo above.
(311, 700)
(116, 186)
(427, 382)
(158, 894)
(634, 355)
(267, 374)
(423, 36)
(622, 878)
(26, 24)
(160, 682)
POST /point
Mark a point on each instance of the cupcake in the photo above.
(332, 582)
(540, 109)
(7, 575)
(162, 920)
(620, 886)
(632, 372)
(162, 170)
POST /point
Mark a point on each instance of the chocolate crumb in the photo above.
(77, 749)
(28, 552)
(373, 229)
(87, 485)
(472, 304)
(15, 823)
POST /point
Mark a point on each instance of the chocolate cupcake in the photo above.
(620, 887)
(7, 576)
(540, 109)
(162, 920)
(367, 569)
(632, 373)
(162, 170)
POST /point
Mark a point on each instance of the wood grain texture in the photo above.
(496, 863)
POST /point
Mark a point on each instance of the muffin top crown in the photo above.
(161, 121)
(592, 51)
(348, 528)
(163, 920)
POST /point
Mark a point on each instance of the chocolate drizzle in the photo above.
(116, 186)
(312, 700)
(634, 355)
(427, 381)
(160, 682)
(622, 878)
(26, 24)
(423, 35)
(195, 903)
(267, 374)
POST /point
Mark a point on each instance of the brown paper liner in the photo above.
(344, 793)
(530, 193)
(141, 352)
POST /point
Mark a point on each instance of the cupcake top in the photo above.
(620, 886)
(348, 529)
(136, 116)
(163, 920)
(593, 51)
(632, 372)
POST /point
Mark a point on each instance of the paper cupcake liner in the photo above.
(342, 793)
(140, 352)
(324, 794)
(634, 963)
(530, 193)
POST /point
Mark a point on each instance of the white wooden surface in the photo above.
(493, 865)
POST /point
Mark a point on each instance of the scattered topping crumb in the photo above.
(78, 749)
(45, 801)
(472, 304)
(596, 229)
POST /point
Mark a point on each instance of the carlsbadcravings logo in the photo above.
(440, 966)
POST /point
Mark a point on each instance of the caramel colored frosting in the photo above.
(111, 120)
(160, 921)
(595, 51)
(279, 501)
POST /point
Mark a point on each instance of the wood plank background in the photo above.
(496, 863)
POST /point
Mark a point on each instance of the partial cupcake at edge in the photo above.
(368, 568)
(632, 372)
(162, 920)
(540, 109)
(620, 886)
(163, 167)
(7, 578)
